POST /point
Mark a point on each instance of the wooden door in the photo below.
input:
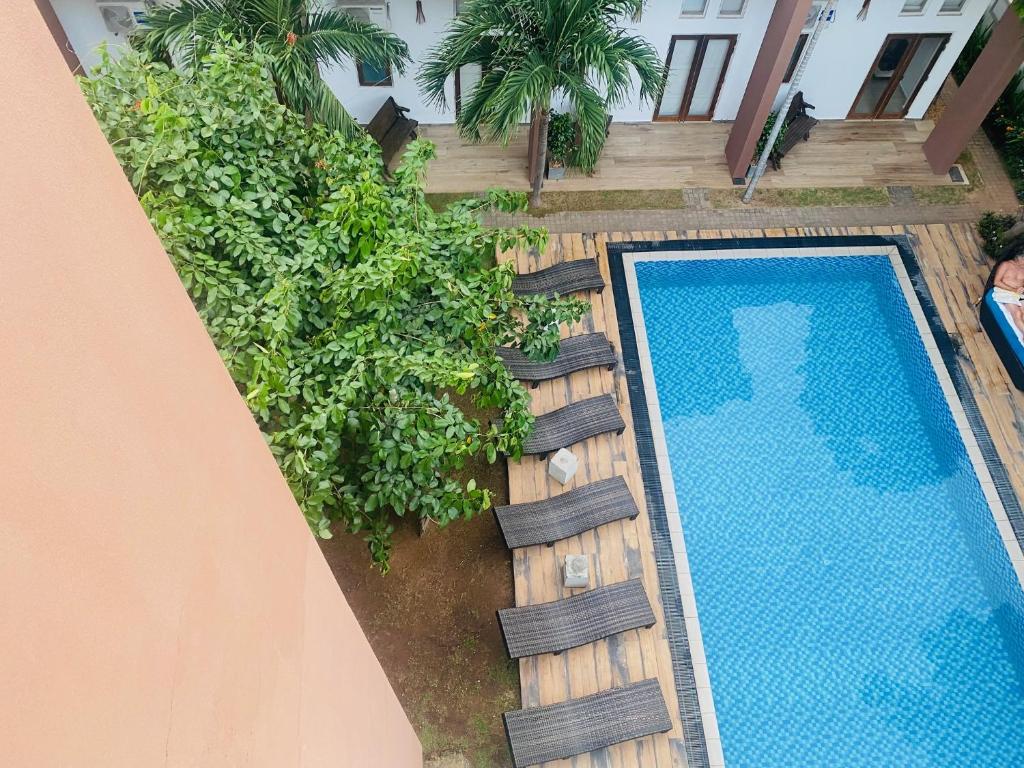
(900, 69)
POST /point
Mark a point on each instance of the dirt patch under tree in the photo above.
(431, 623)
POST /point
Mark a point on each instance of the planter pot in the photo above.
(556, 172)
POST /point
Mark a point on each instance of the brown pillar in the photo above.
(763, 86)
(60, 37)
(987, 79)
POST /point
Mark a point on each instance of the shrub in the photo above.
(561, 137)
(992, 226)
(350, 315)
(766, 132)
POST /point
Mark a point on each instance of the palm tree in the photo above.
(529, 52)
(298, 40)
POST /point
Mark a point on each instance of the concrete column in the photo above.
(763, 86)
(988, 78)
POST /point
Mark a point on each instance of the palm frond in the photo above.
(186, 30)
(334, 36)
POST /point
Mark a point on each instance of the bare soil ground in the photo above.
(431, 623)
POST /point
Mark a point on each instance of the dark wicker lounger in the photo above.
(573, 424)
(573, 727)
(567, 514)
(563, 278)
(576, 353)
(557, 626)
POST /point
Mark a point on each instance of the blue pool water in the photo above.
(857, 605)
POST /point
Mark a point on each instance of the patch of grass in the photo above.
(803, 198)
(944, 195)
(947, 194)
(610, 200)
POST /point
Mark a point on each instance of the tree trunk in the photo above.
(540, 120)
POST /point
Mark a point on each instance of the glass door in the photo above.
(696, 70)
(899, 71)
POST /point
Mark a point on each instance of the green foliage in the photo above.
(295, 38)
(971, 51)
(352, 317)
(529, 52)
(561, 136)
(769, 124)
(992, 226)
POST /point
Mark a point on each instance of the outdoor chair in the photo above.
(567, 514)
(576, 353)
(798, 128)
(561, 279)
(573, 424)
(390, 128)
(530, 630)
(556, 731)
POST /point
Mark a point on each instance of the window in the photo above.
(694, 7)
(795, 60)
(365, 10)
(371, 75)
(913, 7)
(732, 8)
(952, 6)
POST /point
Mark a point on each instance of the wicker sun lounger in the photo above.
(573, 727)
(557, 626)
(563, 278)
(572, 424)
(567, 514)
(576, 353)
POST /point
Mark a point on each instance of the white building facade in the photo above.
(889, 65)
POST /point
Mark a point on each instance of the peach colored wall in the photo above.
(161, 599)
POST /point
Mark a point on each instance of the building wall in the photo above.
(163, 600)
(834, 76)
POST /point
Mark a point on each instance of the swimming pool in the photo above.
(857, 600)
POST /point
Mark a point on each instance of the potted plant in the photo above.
(561, 143)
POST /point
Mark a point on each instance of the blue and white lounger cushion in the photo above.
(1005, 336)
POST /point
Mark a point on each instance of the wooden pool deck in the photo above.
(661, 156)
(955, 270)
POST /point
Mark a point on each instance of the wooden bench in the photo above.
(390, 128)
(798, 128)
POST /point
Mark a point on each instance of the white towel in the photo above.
(1003, 296)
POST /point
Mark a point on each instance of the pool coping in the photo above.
(692, 680)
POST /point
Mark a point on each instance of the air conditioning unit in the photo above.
(367, 10)
(123, 18)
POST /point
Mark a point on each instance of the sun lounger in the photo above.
(573, 424)
(557, 626)
(576, 353)
(567, 514)
(562, 279)
(390, 128)
(577, 726)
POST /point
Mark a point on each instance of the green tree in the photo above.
(532, 51)
(298, 40)
(353, 318)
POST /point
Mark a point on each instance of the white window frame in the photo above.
(905, 12)
(728, 15)
(693, 14)
(958, 12)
